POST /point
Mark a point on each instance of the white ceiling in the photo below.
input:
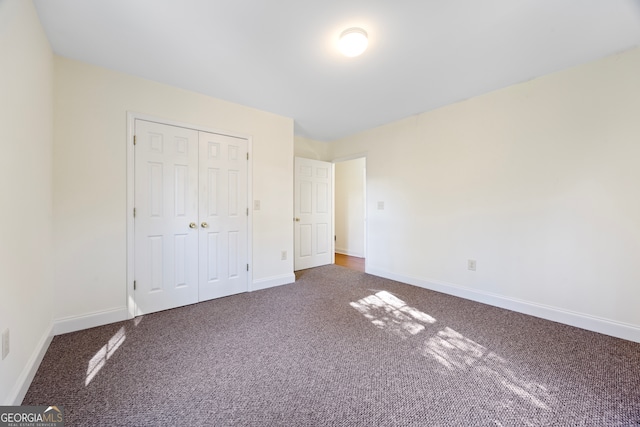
(280, 55)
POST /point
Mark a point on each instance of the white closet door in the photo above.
(166, 203)
(191, 221)
(223, 216)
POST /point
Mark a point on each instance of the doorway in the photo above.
(350, 213)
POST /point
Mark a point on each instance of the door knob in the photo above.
(297, 219)
(204, 225)
(192, 225)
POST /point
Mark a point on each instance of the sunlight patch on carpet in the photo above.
(99, 360)
(389, 312)
(457, 353)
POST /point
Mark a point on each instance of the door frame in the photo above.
(130, 270)
(361, 155)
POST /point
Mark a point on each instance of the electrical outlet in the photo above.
(380, 206)
(471, 264)
(256, 205)
(5, 343)
(283, 255)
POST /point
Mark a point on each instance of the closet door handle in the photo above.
(193, 225)
(204, 225)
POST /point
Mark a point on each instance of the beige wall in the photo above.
(26, 91)
(310, 149)
(537, 182)
(90, 180)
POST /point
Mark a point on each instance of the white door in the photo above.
(313, 222)
(166, 203)
(223, 216)
(191, 216)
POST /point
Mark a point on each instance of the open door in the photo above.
(313, 222)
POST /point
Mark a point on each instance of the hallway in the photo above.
(352, 262)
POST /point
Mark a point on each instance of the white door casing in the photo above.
(191, 216)
(313, 222)
(166, 193)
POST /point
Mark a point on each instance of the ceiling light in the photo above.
(353, 42)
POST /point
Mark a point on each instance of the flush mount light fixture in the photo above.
(353, 41)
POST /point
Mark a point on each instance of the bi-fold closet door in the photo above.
(191, 216)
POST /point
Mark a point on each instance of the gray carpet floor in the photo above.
(340, 348)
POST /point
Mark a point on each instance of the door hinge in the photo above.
(134, 140)
(134, 285)
(247, 156)
(247, 211)
(247, 267)
(134, 212)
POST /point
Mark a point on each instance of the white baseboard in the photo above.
(271, 282)
(580, 320)
(91, 320)
(29, 372)
(349, 253)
